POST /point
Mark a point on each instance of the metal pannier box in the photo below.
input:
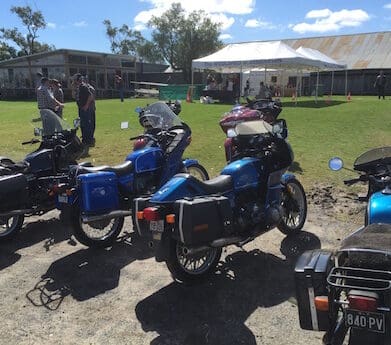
(311, 272)
(202, 219)
(13, 192)
(99, 192)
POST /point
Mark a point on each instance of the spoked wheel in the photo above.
(198, 171)
(192, 268)
(100, 233)
(294, 208)
(10, 226)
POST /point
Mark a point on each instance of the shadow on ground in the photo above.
(323, 102)
(86, 273)
(216, 311)
(51, 231)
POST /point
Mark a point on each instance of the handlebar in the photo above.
(32, 141)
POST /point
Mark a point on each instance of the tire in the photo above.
(10, 227)
(294, 207)
(83, 231)
(198, 171)
(186, 275)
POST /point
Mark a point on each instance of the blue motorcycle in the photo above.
(189, 221)
(349, 290)
(97, 199)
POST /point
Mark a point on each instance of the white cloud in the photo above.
(226, 22)
(51, 25)
(387, 6)
(80, 24)
(225, 37)
(140, 27)
(219, 10)
(326, 20)
(255, 23)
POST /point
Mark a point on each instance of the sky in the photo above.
(78, 24)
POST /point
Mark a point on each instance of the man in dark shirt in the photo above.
(380, 84)
(85, 103)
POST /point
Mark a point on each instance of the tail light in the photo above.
(363, 300)
(151, 213)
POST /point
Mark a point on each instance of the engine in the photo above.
(145, 183)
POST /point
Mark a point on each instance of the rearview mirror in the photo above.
(231, 133)
(76, 123)
(38, 132)
(336, 164)
(280, 128)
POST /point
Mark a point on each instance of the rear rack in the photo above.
(359, 278)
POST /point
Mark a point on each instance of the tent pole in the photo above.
(240, 81)
(192, 76)
(346, 83)
(332, 82)
(316, 86)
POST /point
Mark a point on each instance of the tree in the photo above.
(124, 40)
(182, 38)
(33, 22)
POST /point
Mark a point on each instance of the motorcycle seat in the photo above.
(120, 170)
(217, 185)
(8, 166)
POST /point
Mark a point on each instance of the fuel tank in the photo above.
(379, 207)
(40, 161)
(146, 160)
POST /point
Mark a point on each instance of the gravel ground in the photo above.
(54, 290)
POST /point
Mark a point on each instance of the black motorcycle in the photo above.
(349, 290)
(27, 187)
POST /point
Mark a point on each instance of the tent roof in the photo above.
(314, 54)
(239, 56)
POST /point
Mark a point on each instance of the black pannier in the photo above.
(13, 192)
(202, 219)
(311, 272)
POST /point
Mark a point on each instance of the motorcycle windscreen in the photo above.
(52, 123)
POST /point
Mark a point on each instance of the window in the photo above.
(95, 60)
(274, 79)
(77, 59)
(10, 75)
(128, 63)
(292, 81)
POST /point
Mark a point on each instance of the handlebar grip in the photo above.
(352, 181)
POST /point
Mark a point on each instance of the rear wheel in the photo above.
(10, 226)
(294, 208)
(100, 233)
(198, 171)
(191, 268)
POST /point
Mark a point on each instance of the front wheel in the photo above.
(294, 208)
(198, 171)
(191, 268)
(10, 226)
(100, 233)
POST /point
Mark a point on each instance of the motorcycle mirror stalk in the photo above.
(336, 164)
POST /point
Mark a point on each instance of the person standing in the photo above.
(85, 101)
(120, 85)
(58, 94)
(45, 98)
(380, 84)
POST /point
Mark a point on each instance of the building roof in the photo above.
(358, 51)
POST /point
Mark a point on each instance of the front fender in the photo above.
(189, 162)
(287, 177)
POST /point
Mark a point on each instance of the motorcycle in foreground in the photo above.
(97, 199)
(349, 291)
(258, 109)
(27, 187)
(189, 221)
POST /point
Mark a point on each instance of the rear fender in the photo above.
(189, 162)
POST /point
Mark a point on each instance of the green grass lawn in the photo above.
(316, 131)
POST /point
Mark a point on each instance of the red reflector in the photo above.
(151, 213)
(362, 303)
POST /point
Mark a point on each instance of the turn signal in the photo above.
(170, 218)
(140, 215)
(151, 213)
(362, 303)
(322, 303)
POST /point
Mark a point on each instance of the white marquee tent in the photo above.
(237, 57)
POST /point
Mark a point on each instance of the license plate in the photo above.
(156, 225)
(365, 320)
(63, 198)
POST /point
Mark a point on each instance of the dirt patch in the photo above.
(54, 290)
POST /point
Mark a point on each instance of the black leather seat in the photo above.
(120, 170)
(217, 185)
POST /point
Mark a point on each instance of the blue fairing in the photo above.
(177, 188)
(379, 207)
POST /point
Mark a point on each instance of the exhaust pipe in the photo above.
(219, 243)
(110, 215)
